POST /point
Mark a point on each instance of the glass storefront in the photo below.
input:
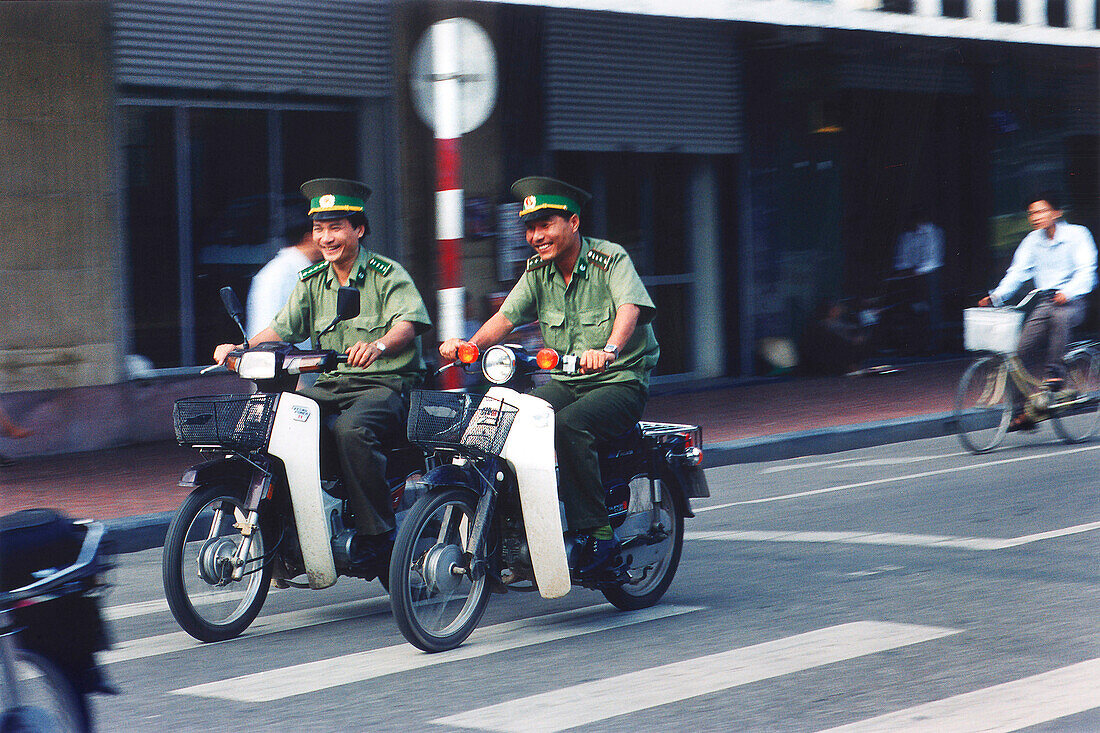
(208, 189)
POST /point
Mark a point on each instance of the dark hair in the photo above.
(1049, 196)
(359, 219)
(297, 229)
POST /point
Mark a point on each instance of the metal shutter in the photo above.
(632, 82)
(336, 47)
(930, 76)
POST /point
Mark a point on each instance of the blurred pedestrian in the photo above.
(9, 429)
(1060, 258)
(271, 286)
(919, 259)
(832, 344)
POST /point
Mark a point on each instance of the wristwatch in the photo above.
(380, 346)
(612, 349)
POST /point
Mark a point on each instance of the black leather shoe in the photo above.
(371, 550)
(595, 556)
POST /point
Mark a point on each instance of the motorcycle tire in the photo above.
(207, 604)
(51, 703)
(652, 567)
(436, 608)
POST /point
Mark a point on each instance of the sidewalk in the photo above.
(136, 486)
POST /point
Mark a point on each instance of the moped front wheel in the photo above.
(655, 533)
(49, 702)
(435, 602)
(197, 565)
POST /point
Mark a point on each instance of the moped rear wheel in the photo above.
(196, 569)
(653, 561)
(435, 602)
(1076, 410)
(983, 404)
(49, 703)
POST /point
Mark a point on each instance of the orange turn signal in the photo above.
(468, 353)
(546, 358)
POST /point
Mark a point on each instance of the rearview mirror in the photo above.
(347, 303)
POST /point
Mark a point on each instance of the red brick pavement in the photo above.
(143, 479)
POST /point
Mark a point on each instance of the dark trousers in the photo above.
(368, 417)
(1044, 337)
(583, 416)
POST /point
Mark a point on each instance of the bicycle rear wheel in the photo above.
(1075, 412)
(983, 404)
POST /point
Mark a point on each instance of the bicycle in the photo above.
(983, 402)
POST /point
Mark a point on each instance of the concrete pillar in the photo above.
(1082, 14)
(1033, 12)
(981, 10)
(704, 246)
(928, 8)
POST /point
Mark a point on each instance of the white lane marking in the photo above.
(159, 605)
(299, 679)
(178, 641)
(894, 479)
(1001, 708)
(862, 463)
(887, 538)
(599, 700)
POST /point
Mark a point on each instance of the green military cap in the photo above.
(335, 198)
(542, 197)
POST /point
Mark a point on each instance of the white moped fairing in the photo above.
(529, 450)
(296, 439)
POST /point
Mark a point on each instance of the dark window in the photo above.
(897, 6)
(954, 8)
(1008, 11)
(1056, 13)
(153, 233)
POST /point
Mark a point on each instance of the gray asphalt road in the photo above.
(904, 587)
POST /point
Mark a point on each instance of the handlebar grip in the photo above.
(341, 358)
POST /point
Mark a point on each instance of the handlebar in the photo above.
(89, 551)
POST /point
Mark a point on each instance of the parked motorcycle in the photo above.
(489, 519)
(52, 572)
(268, 504)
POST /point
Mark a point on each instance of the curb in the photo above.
(146, 531)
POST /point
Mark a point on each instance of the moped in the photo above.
(268, 503)
(488, 518)
(52, 574)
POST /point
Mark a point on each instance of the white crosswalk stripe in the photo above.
(998, 709)
(602, 699)
(314, 676)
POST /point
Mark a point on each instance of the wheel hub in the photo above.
(440, 563)
(215, 560)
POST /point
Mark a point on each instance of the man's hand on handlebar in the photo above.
(449, 348)
(221, 351)
(1059, 298)
(593, 361)
(985, 302)
(363, 353)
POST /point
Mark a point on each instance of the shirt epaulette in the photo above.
(601, 260)
(312, 270)
(535, 262)
(380, 265)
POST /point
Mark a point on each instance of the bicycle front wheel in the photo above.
(1075, 412)
(983, 404)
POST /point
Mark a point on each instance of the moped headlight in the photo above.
(499, 364)
(257, 365)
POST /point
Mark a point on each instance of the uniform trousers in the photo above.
(1045, 335)
(584, 415)
(370, 414)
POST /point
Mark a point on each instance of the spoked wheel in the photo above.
(435, 602)
(49, 703)
(983, 404)
(1075, 411)
(197, 567)
(655, 556)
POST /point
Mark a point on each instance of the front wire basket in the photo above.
(232, 421)
(450, 419)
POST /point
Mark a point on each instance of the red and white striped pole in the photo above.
(449, 219)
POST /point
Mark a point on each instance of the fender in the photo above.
(450, 474)
(202, 473)
(692, 484)
(529, 450)
(296, 440)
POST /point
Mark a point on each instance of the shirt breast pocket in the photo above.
(552, 325)
(596, 328)
(366, 329)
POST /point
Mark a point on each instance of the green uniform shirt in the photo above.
(386, 295)
(579, 317)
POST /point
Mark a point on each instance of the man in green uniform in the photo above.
(370, 393)
(593, 309)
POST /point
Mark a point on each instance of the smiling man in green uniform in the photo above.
(591, 307)
(370, 393)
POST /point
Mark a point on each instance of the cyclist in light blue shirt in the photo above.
(1058, 257)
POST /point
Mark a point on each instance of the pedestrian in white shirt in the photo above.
(271, 286)
(1059, 258)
